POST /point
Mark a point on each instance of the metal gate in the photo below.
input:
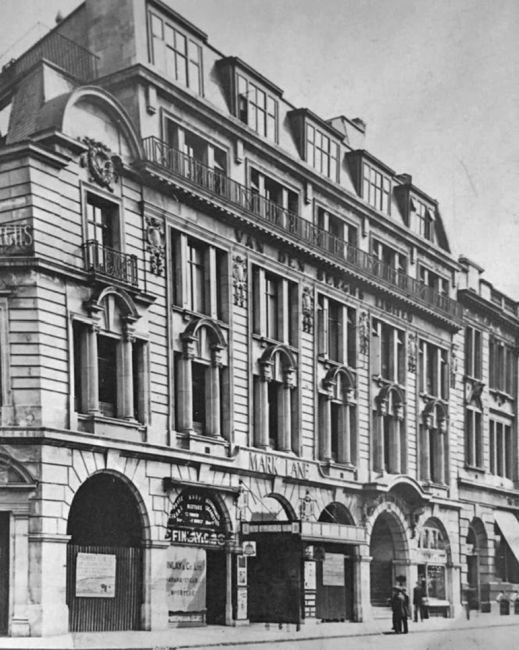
(123, 611)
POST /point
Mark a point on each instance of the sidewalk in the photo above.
(216, 636)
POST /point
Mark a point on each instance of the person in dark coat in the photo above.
(400, 608)
(418, 596)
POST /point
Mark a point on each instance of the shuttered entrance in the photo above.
(104, 557)
(120, 611)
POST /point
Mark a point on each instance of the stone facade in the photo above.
(243, 377)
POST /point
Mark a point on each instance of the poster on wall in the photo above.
(95, 575)
(310, 575)
(333, 570)
(186, 584)
(241, 604)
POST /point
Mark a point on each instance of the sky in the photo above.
(436, 81)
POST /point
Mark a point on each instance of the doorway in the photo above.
(104, 557)
(216, 587)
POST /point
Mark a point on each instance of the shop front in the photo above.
(198, 561)
(302, 571)
(433, 567)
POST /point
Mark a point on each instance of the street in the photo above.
(492, 637)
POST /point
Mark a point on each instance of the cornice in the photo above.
(471, 298)
(30, 149)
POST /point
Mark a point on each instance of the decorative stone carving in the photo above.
(411, 352)
(101, 163)
(308, 310)
(239, 281)
(155, 244)
(454, 364)
(364, 332)
(474, 394)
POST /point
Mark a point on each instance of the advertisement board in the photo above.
(186, 583)
(95, 575)
(333, 570)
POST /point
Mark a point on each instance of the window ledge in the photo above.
(102, 425)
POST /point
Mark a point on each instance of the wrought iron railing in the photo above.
(107, 261)
(228, 190)
(58, 49)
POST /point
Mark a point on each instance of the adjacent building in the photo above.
(242, 375)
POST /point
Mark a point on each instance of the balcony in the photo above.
(66, 54)
(110, 264)
(284, 221)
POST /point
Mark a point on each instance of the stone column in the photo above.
(154, 609)
(395, 451)
(20, 589)
(92, 370)
(48, 613)
(325, 426)
(125, 406)
(426, 447)
(362, 586)
(228, 586)
(213, 393)
(185, 390)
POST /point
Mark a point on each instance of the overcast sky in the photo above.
(437, 82)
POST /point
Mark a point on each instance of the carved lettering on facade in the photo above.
(278, 466)
(292, 262)
(393, 309)
(247, 240)
(339, 283)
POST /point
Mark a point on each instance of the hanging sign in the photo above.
(249, 548)
(95, 575)
(195, 520)
(186, 584)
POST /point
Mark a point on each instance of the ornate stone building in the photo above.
(238, 379)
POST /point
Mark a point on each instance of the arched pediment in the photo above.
(287, 356)
(13, 473)
(409, 490)
(214, 331)
(122, 299)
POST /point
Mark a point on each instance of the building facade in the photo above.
(243, 376)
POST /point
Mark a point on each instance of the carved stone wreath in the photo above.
(101, 163)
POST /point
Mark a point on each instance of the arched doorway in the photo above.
(198, 527)
(104, 557)
(388, 564)
(274, 574)
(476, 553)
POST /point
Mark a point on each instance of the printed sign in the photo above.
(249, 548)
(95, 575)
(241, 571)
(195, 519)
(333, 570)
(186, 582)
(292, 527)
(310, 575)
(241, 604)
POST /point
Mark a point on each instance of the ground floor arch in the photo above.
(477, 560)
(389, 557)
(104, 556)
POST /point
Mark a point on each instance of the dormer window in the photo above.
(257, 108)
(322, 152)
(376, 188)
(174, 53)
(424, 216)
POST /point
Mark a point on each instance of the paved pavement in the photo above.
(216, 636)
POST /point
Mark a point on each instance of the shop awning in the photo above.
(509, 527)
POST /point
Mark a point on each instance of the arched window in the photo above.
(275, 400)
(201, 379)
(433, 442)
(110, 360)
(389, 431)
(338, 417)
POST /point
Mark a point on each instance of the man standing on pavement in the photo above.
(418, 596)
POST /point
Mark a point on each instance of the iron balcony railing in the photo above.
(58, 49)
(216, 183)
(106, 261)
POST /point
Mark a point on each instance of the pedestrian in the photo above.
(418, 596)
(400, 608)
